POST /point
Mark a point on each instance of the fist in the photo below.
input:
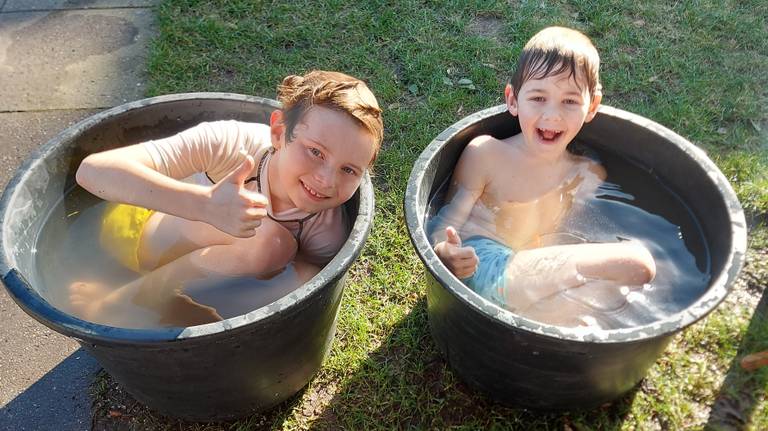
(232, 208)
(461, 261)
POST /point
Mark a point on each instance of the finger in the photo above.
(465, 267)
(255, 199)
(464, 253)
(452, 237)
(242, 172)
(255, 213)
(247, 231)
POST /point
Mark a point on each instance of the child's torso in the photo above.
(520, 212)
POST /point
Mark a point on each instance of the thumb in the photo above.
(240, 174)
(452, 236)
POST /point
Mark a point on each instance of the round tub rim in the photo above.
(37, 307)
(719, 285)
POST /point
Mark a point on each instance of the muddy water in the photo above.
(68, 250)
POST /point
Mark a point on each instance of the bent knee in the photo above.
(641, 266)
(270, 250)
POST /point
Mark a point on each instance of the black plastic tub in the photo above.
(220, 370)
(521, 362)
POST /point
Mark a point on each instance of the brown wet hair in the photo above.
(333, 90)
(555, 50)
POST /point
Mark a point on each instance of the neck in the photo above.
(278, 196)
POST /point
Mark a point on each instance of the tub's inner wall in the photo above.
(638, 143)
(51, 172)
(678, 168)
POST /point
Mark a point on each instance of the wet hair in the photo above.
(333, 90)
(556, 50)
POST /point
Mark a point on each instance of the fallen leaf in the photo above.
(722, 130)
(414, 89)
(756, 125)
(447, 81)
(638, 22)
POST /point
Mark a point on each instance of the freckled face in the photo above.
(323, 165)
(551, 111)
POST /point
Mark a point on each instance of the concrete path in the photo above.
(60, 61)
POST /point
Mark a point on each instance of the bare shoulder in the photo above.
(483, 146)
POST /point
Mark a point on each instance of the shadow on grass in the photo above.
(741, 390)
(406, 384)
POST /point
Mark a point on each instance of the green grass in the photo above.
(697, 67)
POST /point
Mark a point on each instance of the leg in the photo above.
(533, 275)
(270, 250)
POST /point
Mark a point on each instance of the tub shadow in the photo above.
(58, 400)
(406, 384)
(742, 390)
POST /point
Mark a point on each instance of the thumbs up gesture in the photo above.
(462, 261)
(232, 208)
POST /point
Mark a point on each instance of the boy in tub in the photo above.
(260, 196)
(507, 196)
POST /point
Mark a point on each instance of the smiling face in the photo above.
(551, 111)
(323, 165)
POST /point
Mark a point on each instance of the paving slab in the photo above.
(56, 68)
(72, 59)
(30, 5)
(45, 376)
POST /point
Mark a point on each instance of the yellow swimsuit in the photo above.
(121, 230)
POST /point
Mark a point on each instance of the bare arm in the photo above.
(466, 188)
(468, 184)
(128, 175)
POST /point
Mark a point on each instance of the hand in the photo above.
(462, 261)
(232, 208)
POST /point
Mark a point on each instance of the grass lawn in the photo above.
(697, 67)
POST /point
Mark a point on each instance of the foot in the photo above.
(88, 299)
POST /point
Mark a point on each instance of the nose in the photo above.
(551, 111)
(324, 176)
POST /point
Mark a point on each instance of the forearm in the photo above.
(132, 182)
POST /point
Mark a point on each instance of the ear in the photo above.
(277, 128)
(510, 99)
(596, 99)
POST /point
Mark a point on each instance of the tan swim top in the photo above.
(209, 151)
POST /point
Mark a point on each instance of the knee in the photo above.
(642, 267)
(270, 250)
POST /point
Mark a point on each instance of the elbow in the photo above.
(85, 172)
(88, 173)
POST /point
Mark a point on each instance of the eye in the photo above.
(315, 152)
(537, 99)
(571, 102)
(348, 170)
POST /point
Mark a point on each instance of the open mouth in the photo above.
(548, 135)
(310, 191)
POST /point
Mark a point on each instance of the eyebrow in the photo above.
(541, 90)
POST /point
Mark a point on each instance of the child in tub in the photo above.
(509, 197)
(255, 197)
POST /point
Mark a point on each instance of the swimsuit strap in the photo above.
(257, 178)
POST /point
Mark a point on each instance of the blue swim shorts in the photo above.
(488, 280)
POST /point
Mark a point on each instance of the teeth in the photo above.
(312, 192)
(549, 134)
